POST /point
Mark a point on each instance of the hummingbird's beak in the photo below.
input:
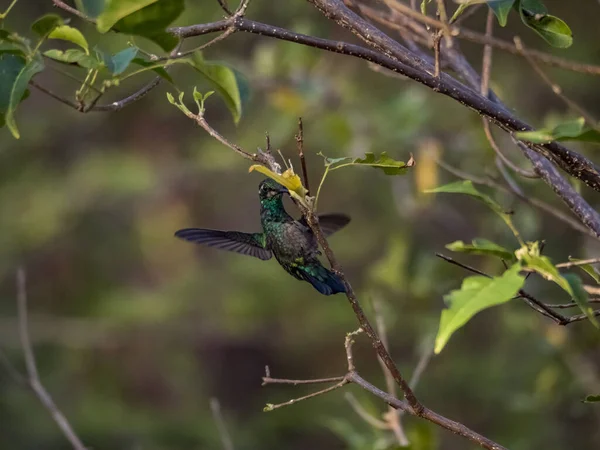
(283, 190)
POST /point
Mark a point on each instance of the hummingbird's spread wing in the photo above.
(330, 223)
(251, 244)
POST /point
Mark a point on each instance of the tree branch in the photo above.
(33, 379)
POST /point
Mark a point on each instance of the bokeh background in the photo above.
(135, 331)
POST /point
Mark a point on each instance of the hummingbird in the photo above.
(291, 241)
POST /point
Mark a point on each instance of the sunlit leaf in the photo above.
(482, 247)
(74, 56)
(476, 294)
(552, 29)
(571, 130)
(288, 179)
(44, 25)
(530, 257)
(226, 81)
(146, 18)
(67, 33)
(501, 9)
(466, 187)
(115, 10)
(18, 90)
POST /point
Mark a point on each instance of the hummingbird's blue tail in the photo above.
(322, 279)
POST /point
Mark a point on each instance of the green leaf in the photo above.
(160, 71)
(501, 9)
(389, 165)
(45, 24)
(18, 90)
(146, 18)
(476, 294)
(482, 247)
(571, 130)
(580, 296)
(120, 61)
(67, 33)
(10, 67)
(466, 187)
(116, 10)
(530, 256)
(589, 269)
(591, 399)
(552, 29)
(91, 8)
(384, 162)
(226, 81)
(74, 56)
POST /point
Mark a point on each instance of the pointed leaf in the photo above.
(18, 90)
(482, 247)
(115, 10)
(466, 187)
(476, 294)
(149, 21)
(530, 256)
(580, 296)
(384, 162)
(501, 9)
(67, 33)
(589, 269)
(44, 25)
(592, 399)
(74, 56)
(552, 29)
(226, 81)
(10, 67)
(121, 60)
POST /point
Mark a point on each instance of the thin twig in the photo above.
(572, 304)
(364, 414)
(32, 372)
(215, 408)
(55, 96)
(271, 407)
(553, 86)
(488, 134)
(392, 416)
(480, 38)
(550, 209)
(578, 263)
(225, 6)
(487, 55)
(529, 299)
(300, 146)
(62, 5)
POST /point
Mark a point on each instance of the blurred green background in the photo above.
(135, 331)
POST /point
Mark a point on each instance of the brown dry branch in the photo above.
(300, 146)
(352, 376)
